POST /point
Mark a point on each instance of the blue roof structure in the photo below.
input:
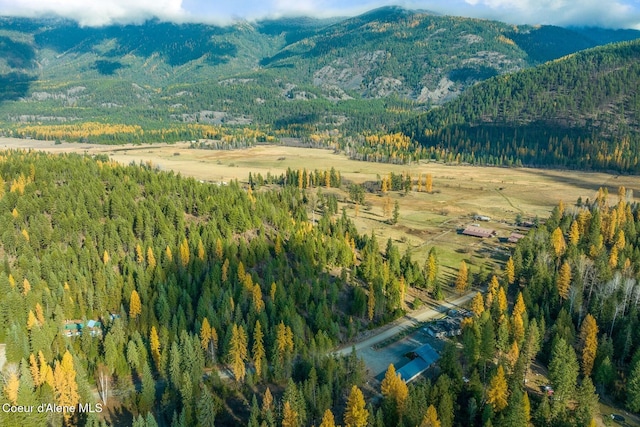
(426, 356)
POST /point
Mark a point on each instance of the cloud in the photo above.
(605, 13)
(602, 13)
(97, 12)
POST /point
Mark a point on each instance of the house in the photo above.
(515, 237)
(474, 231)
(74, 328)
(425, 356)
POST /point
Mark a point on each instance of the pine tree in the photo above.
(371, 302)
(462, 278)
(633, 388)
(563, 373)
(498, 393)
(356, 415)
(135, 306)
(588, 343)
(206, 409)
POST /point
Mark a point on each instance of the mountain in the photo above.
(580, 111)
(293, 74)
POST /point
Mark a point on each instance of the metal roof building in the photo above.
(425, 357)
(474, 231)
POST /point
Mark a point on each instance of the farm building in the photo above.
(481, 218)
(425, 356)
(514, 237)
(472, 230)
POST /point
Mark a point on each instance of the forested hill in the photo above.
(354, 74)
(581, 111)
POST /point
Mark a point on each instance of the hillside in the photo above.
(295, 75)
(581, 111)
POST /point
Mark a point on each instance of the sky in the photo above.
(604, 13)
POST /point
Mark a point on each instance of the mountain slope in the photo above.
(296, 75)
(580, 111)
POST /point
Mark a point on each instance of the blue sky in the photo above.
(607, 13)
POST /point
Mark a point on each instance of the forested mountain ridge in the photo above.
(579, 111)
(301, 72)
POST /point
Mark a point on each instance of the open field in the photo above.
(426, 220)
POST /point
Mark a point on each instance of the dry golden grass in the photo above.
(426, 220)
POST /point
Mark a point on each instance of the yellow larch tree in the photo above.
(588, 343)
(462, 278)
(105, 257)
(430, 418)
(477, 305)
(557, 242)
(428, 183)
(154, 343)
(257, 350)
(201, 252)
(510, 271)
(135, 306)
(492, 291)
(39, 313)
(502, 300)
(11, 386)
(34, 369)
(238, 352)
(256, 294)
(184, 252)
(65, 385)
(290, 417)
(327, 419)
(394, 388)
(563, 281)
(139, 254)
(574, 233)
(151, 258)
(219, 248)
(356, 414)
(498, 393)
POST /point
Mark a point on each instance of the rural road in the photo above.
(407, 321)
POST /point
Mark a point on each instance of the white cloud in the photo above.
(605, 13)
(96, 12)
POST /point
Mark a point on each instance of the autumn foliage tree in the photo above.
(588, 343)
(356, 414)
